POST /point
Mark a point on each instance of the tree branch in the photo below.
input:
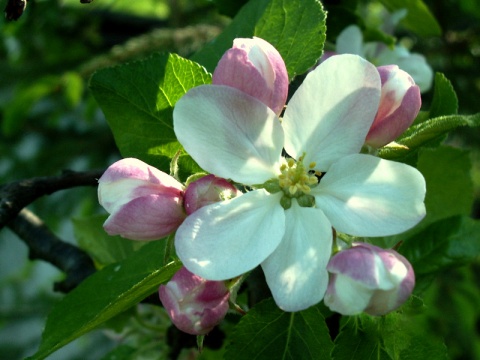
(16, 195)
(44, 245)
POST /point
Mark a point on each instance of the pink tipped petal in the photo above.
(256, 68)
(130, 178)
(345, 296)
(247, 229)
(330, 114)
(399, 105)
(148, 217)
(229, 133)
(366, 196)
(296, 271)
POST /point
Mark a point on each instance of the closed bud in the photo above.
(366, 278)
(256, 68)
(194, 305)
(207, 190)
(400, 103)
(144, 203)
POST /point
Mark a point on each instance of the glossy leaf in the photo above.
(296, 29)
(105, 294)
(138, 99)
(266, 332)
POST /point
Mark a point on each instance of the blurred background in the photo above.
(50, 122)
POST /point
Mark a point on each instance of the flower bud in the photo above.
(256, 68)
(207, 190)
(194, 305)
(366, 278)
(144, 203)
(400, 103)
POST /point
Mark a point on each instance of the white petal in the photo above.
(296, 272)
(346, 296)
(330, 114)
(229, 133)
(226, 239)
(366, 196)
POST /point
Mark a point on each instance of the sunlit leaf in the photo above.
(138, 99)
(296, 29)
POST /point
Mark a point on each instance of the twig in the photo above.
(44, 245)
(17, 195)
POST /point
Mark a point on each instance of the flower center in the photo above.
(295, 181)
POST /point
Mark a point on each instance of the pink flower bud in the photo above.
(366, 278)
(144, 203)
(400, 103)
(194, 305)
(207, 190)
(256, 68)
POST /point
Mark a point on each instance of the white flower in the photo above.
(285, 223)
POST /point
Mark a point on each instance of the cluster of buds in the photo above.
(366, 278)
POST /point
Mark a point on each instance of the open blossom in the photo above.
(194, 305)
(366, 278)
(400, 103)
(350, 41)
(255, 67)
(285, 223)
(144, 203)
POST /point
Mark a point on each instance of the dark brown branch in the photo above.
(17, 195)
(44, 245)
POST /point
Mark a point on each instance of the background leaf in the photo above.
(296, 28)
(419, 19)
(105, 294)
(266, 332)
(444, 244)
(138, 99)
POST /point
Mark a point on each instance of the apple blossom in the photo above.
(194, 305)
(255, 67)
(366, 278)
(207, 190)
(350, 41)
(285, 222)
(144, 203)
(400, 103)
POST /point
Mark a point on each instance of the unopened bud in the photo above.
(366, 278)
(194, 305)
(255, 67)
(144, 203)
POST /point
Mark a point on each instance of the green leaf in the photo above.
(449, 185)
(105, 294)
(138, 99)
(104, 249)
(447, 243)
(266, 332)
(296, 28)
(445, 101)
(419, 19)
(395, 336)
(427, 133)
(359, 343)
(73, 86)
